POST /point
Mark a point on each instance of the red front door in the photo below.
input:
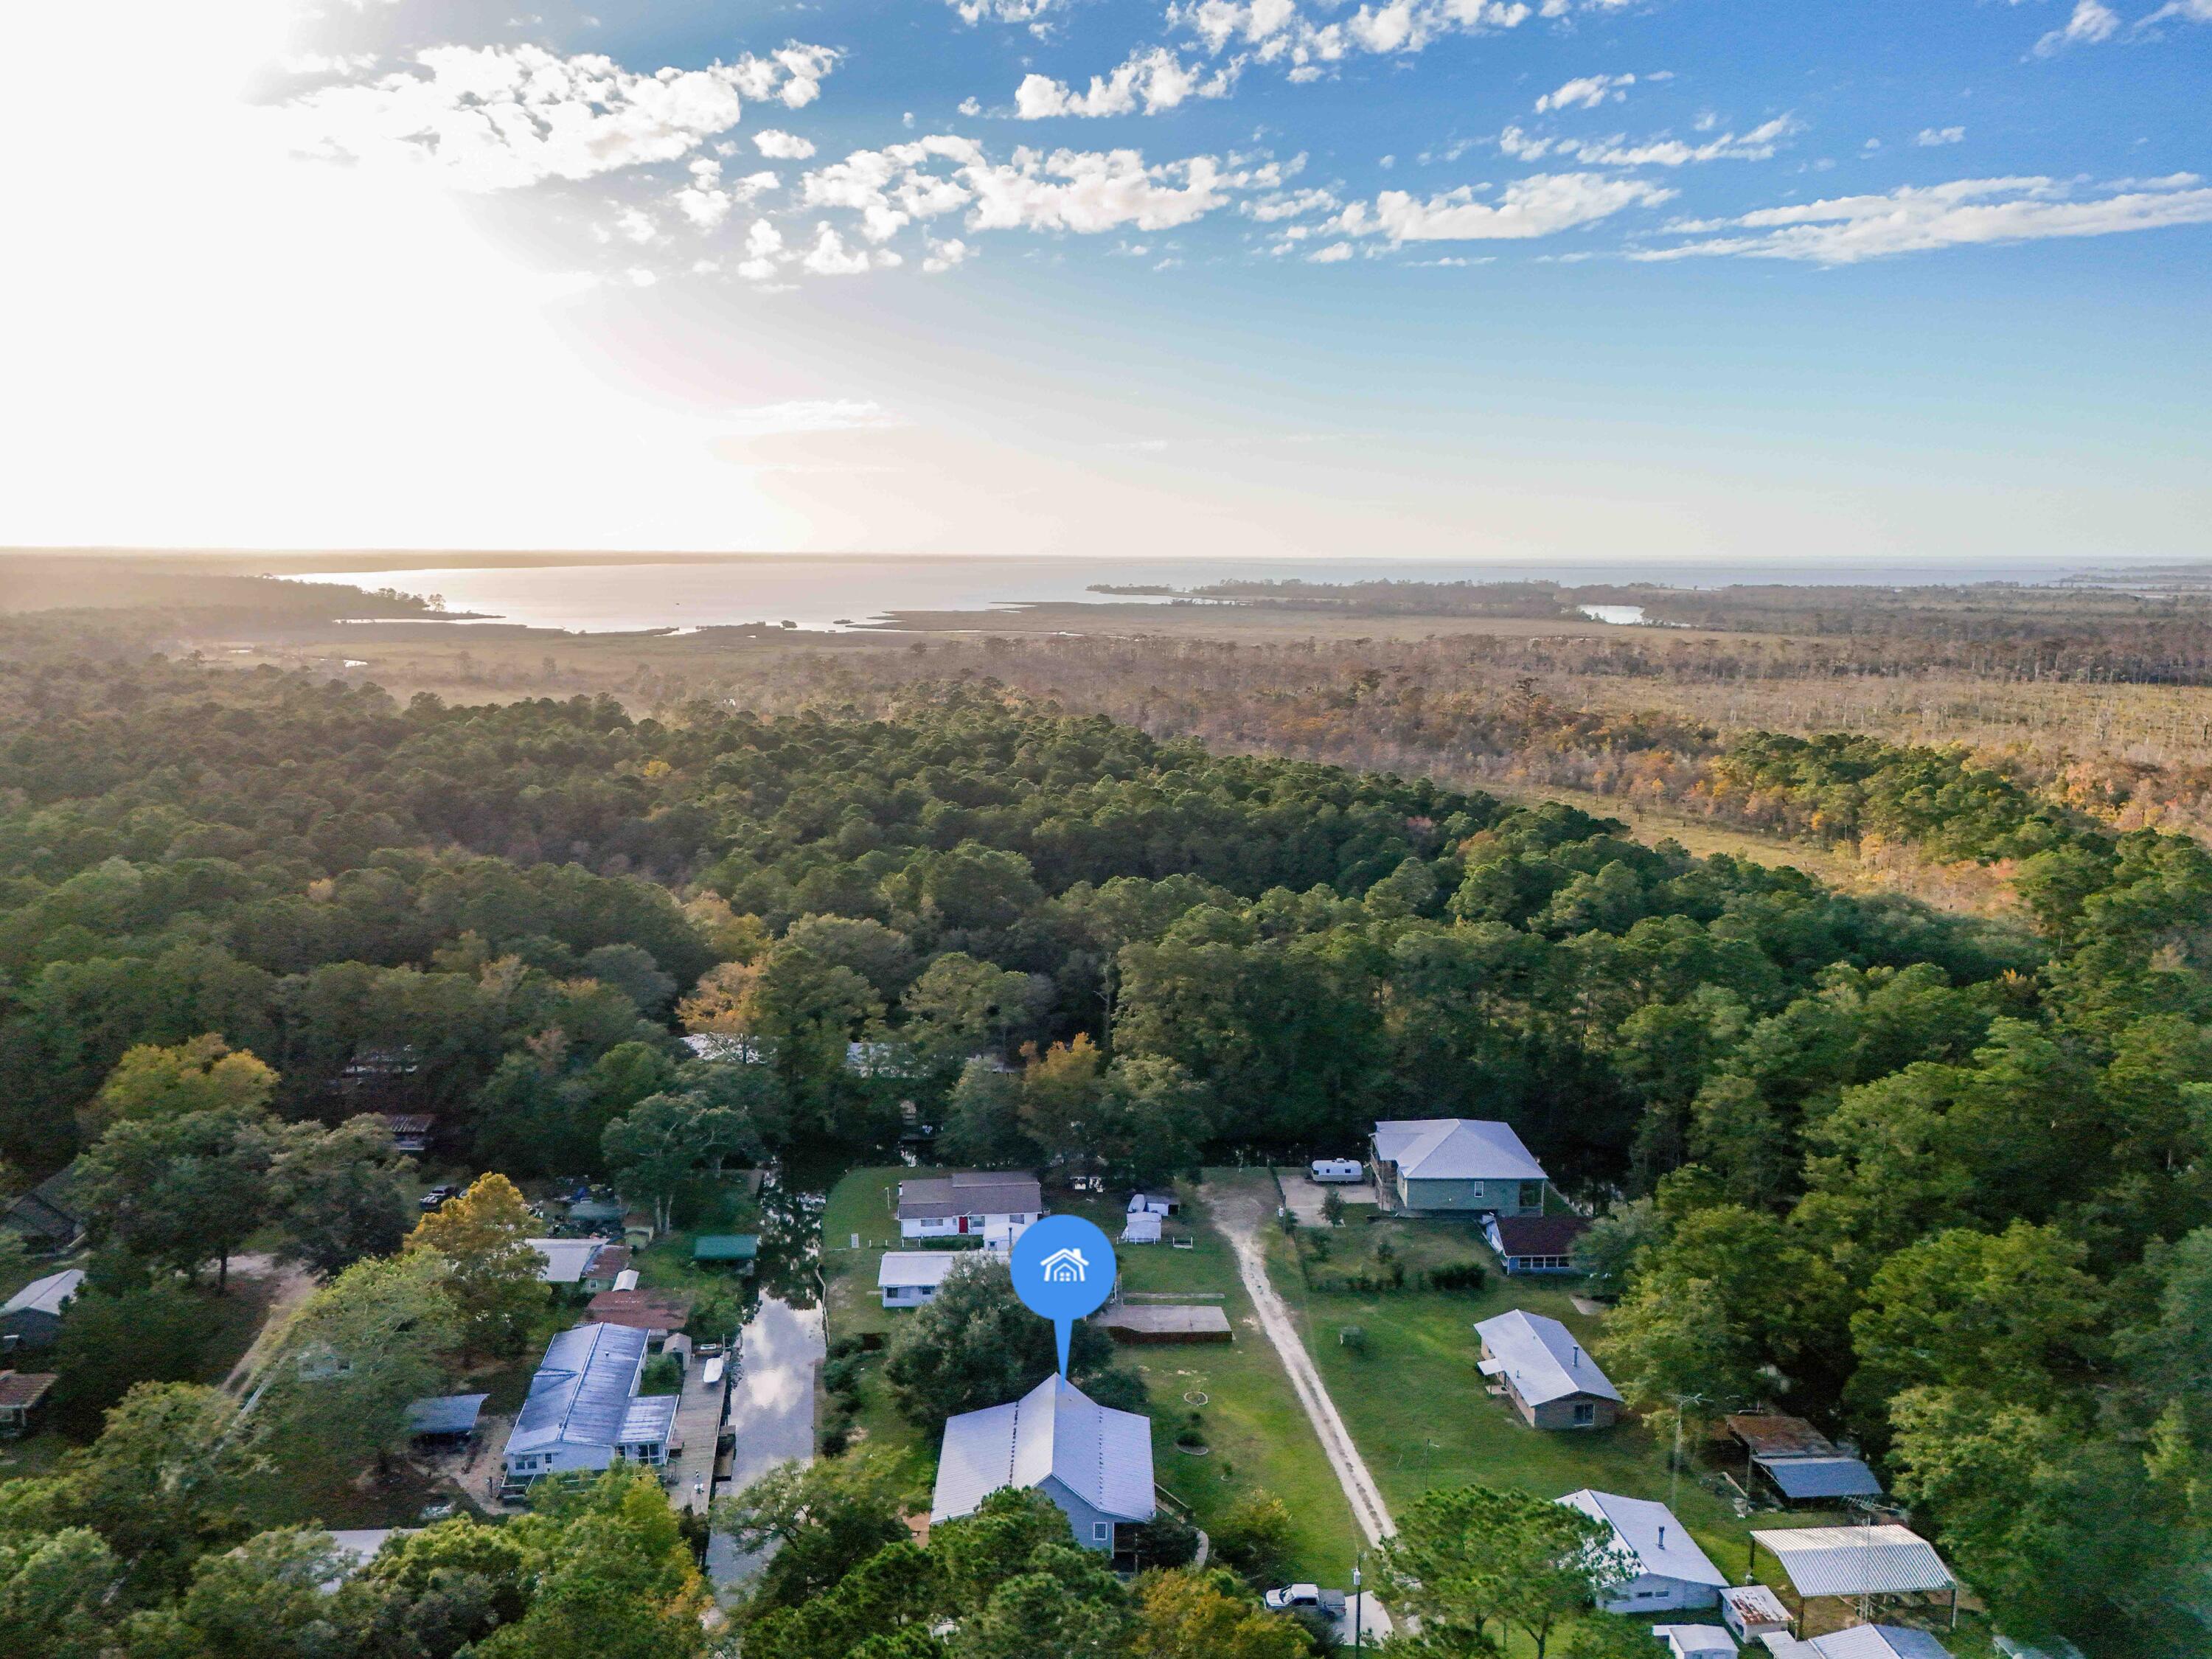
(964, 1224)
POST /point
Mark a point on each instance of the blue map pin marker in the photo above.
(1063, 1269)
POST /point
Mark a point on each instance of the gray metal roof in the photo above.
(923, 1269)
(1648, 1536)
(1821, 1477)
(1884, 1561)
(581, 1393)
(567, 1260)
(49, 1295)
(649, 1420)
(1688, 1639)
(445, 1414)
(1454, 1149)
(1055, 1432)
(1879, 1642)
(1541, 1359)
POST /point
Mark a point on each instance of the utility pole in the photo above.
(1356, 1561)
(1674, 1471)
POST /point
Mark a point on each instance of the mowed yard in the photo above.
(1256, 1437)
(1420, 1414)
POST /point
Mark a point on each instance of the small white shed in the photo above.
(1141, 1228)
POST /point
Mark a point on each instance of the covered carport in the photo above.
(1863, 1565)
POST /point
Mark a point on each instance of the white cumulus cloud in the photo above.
(1930, 137)
(1586, 91)
(781, 146)
(1964, 212)
(1756, 145)
(1540, 204)
(1157, 79)
(2093, 20)
(501, 117)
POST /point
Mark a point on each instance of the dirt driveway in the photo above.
(1241, 1211)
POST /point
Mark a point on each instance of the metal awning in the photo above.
(1820, 1477)
(1884, 1561)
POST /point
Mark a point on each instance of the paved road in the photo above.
(771, 1414)
(1241, 1211)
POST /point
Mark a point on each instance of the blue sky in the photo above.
(1483, 278)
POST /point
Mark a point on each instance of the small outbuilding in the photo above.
(445, 1416)
(655, 1312)
(1154, 1204)
(22, 1394)
(32, 1318)
(737, 1250)
(1141, 1227)
(1670, 1571)
(1175, 1322)
(411, 1131)
(1857, 1562)
(1803, 1465)
(1879, 1642)
(907, 1279)
(1551, 1381)
(1535, 1243)
(48, 1219)
(1695, 1641)
(1752, 1611)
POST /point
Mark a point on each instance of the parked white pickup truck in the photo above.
(1305, 1598)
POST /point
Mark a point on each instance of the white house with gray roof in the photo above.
(985, 1204)
(584, 1412)
(1666, 1569)
(1456, 1166)
(1096, 1463)
(907, 1279)
(1550, 1378)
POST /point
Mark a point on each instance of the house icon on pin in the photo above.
(1064, 1267)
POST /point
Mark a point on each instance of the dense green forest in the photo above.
(1941, 1182)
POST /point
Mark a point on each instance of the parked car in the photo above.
(1337, 1171)
(1304, 1598)
(436, 1197)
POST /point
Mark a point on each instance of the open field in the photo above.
(1257, 1437)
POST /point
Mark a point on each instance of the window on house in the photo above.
(1585, 1415)
(1101, 1532)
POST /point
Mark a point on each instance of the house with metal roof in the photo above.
(1455, 1166)
(1552, 1381)
(907, 1279)
(583, 1413)
(1096, 1463)
(32, 1318)
(962, 1202)
(21, 1393)
(567, 1260)
(1669, 1570)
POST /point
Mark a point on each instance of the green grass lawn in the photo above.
(1417, 1406)
(1257, 1436)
